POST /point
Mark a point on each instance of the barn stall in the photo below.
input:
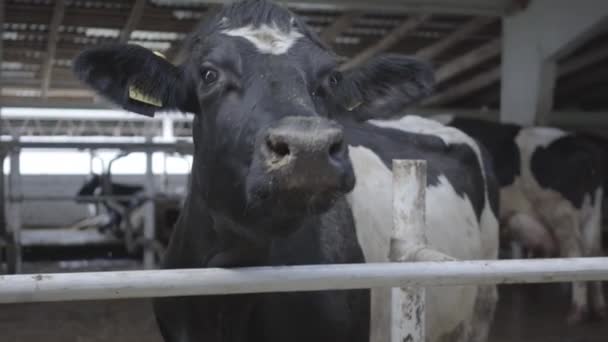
(525, 62)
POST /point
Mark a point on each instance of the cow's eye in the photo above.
(210, 76)
(334, 79)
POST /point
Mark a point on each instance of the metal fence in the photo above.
(11, 230)
(406, 279)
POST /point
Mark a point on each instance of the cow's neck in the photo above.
(205, 237)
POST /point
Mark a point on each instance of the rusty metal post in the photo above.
(408, 238)
(14, 225)
(149, 213)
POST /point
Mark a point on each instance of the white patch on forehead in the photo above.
(267, 39)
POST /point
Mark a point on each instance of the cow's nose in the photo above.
(307, 153)
(318, 143)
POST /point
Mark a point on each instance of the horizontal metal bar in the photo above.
(65, 237)
(128, 146)
(470, 7)
(52, 198)
(189, 282)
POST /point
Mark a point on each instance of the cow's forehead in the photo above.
(268, 39)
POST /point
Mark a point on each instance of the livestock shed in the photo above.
(304, 170)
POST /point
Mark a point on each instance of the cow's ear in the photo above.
(384, 86)
(135, 78)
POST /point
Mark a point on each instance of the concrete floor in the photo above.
(537, 313)
(531, 314)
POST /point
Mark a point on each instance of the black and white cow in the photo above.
(286, 171)
(551, 194)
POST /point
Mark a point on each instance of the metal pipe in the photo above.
(190, 282)
(14, 227)
(3, 229)
(52, 198)
(407, 239)
(466, 7)
(86, 145)
(149, 214)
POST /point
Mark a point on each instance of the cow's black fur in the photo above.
(571, 165)
(499, 139)
(226, 221)
(391, 144)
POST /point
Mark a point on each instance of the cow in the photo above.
(291, 166)
(602, 143)
(551, 194)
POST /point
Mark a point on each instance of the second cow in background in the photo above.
(551, 194)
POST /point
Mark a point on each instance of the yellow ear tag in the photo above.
(159, 54)
(354, 106)
(138, 95)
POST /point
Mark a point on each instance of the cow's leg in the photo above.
(564, 222)
(592, 245)
(483, 315)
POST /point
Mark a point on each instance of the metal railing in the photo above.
(406, 279)
(14, 194)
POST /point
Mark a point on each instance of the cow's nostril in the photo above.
(280, 148)
(336, 148)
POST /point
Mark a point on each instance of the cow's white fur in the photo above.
(452, 227)
(268, 39)
(416, 124)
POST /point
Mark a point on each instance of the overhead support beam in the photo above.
(580, 62)
(463, 89)
(2, 9)
(343, 23)
(134, 17)
(3, 228)
(388, 41)
(51, 48)
(533, 41)
(467, 7)
(458, 91)
(432, 51)
(469, 60)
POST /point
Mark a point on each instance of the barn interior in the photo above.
(529, 62)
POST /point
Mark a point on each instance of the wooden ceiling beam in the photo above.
(469, 60)
(134, 18)
(51, 48)
(391, 39)
(463, 89)
(339, 26)
(580, 62)
(432, 51)
(2, 9)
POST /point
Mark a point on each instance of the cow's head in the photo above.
(267, 95)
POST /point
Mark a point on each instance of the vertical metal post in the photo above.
(2, 195)
(409, 210)
(149, 213)
(168, 129)
(14, 227)
(3, 228)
